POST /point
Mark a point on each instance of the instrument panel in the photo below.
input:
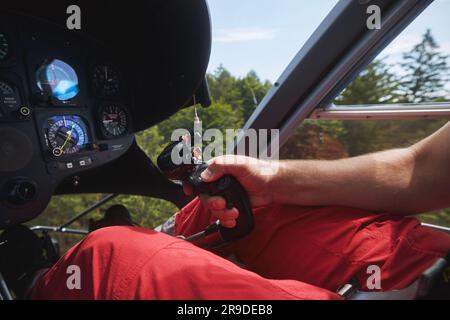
(64, 109)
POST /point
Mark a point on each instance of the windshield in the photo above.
(262, 35)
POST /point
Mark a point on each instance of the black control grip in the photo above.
(235, 196)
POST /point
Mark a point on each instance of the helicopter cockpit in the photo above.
(77, 85)
(71, 99)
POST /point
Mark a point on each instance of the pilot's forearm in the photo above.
(378, 182)
(402, 181)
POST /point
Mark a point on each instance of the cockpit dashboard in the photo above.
(63, 99)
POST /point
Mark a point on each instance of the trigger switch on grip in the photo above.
(235, 196)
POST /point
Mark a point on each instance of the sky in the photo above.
(265, 35)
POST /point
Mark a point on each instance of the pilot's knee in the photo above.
(125, 241)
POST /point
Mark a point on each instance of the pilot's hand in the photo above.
(248, 172)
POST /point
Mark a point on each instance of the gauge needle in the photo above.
(69, 135)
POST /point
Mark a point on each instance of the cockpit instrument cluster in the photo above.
(64, 109)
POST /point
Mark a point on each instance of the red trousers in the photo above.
(294, 253)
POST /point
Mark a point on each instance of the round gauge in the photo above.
(9, 99)
(57, 79)
(4, 47)
(105, 80)
(114, 119)
(66, 135)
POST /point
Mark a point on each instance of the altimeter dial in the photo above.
(114, 120)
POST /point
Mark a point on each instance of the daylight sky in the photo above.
(264, 35)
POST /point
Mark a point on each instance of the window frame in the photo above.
(316, 76)
(382, 111)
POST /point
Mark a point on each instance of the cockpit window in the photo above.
(410, 75)
(262, 35)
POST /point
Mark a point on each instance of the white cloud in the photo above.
(405, 42)
(243, 34)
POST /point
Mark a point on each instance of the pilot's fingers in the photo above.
(229, 164)
(228, 223)
(213, 203)
(228, 214)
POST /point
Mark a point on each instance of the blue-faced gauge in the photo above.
(66, 135)
(57, 79)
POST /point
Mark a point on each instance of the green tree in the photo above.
(424, 79)
(223, 87)
(151, 141)
(252, 90)
(426, 72)
(219, 115)
(242, 94)
(376, 84)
